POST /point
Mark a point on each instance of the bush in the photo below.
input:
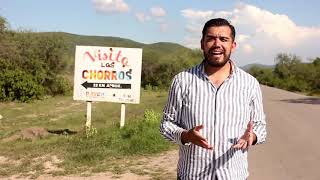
(18, 85)
(290, 73)
(60, 85)
(30, 65)
(143, 136)
(160, 75)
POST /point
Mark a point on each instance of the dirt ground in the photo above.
(162, 166)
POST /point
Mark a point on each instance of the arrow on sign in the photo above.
(106, 85)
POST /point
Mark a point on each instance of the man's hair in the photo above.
(218, 22)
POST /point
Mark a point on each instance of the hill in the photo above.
(161, 52)
(160, 61)
(248, 66)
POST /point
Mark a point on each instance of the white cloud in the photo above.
(192, 29)
(242, 38)
(141, 17)
(189, 41)
(261, 34)
(156, 15)
(157, 12)
(247, 48)
(196, 15)
(111, 6)
(164, 27)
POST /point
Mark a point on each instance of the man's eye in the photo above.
(209, 40)
(224, 39)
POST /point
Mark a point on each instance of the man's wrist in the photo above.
(185, 137)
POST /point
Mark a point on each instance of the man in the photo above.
(214, 111)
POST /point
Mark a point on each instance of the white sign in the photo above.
(110, 74)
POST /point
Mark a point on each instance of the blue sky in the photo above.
(264, 28)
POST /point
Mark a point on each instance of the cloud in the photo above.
(242, 37)
(110, 6)
(196, 15)
(157, 15)
(157, 12)
(247, 48)
(141, 17)
(261, 34)
(164, 27)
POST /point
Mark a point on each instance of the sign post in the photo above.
(110, 74)
(88, 122)
(123, 115)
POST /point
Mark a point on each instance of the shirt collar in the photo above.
(234, 69)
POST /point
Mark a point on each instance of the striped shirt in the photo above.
(224, 112)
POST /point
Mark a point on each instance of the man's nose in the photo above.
(216, 42)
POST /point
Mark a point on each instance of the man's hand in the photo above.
(194, 137)
(247, 139)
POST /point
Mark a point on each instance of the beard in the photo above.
(214, 62)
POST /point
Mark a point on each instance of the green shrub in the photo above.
(30, 64)
(18, 85)
(60, 85)
(290, 73)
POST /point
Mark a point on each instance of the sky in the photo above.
(263, 28)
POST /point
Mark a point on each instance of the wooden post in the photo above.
(123, 114)
(88, 122)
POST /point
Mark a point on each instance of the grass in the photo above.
(105, 147)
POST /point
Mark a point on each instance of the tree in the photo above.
(285, 64)
(316, 79)
(31, 64)
(264, 75)
(3, 25)
(291, 73)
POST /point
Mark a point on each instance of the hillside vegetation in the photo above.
(31, 66)
(291, 73)
(34, 65)
(249, 66)
(160, 61)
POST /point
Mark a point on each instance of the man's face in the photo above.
(217, 45)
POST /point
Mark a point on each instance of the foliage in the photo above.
(156, 74)
(30, 65)
(18, 85)
(156, 57)
(91, 131)
(291, 73)
(59, 86)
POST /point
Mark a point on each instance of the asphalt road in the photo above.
(292, 150)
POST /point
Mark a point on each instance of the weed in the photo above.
(91, 131)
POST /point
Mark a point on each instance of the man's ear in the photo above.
(234, 45)
(201, 43)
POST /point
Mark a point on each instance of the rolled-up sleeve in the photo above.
(170, 126)
(258, 116)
